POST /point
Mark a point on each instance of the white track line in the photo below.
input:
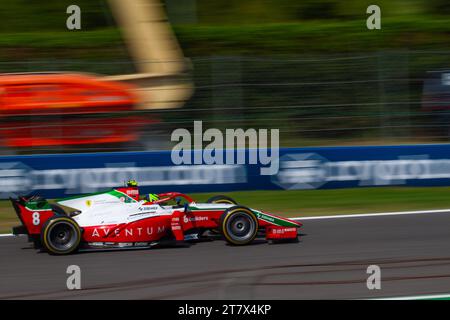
(379, 214)
(430, 296)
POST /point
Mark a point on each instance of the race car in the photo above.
(119, 219)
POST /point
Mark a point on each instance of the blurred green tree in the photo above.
(438, 6)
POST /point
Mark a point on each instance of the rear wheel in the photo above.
(239, 225)
(60, 235)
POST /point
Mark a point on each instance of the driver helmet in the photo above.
(152, 197)
(132, 183)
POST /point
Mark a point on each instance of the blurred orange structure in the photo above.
(51, 109)
(58, 109)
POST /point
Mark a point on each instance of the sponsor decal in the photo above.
(96, 244)
(275, 220)
(18, 178)
(124, 244)
(118, 244)
(141, 244)
(148, 208)
(132, 192)
(283, 230)
(265, 217)
(140, 214)
(192, 236)
(312, 171)
(297, 170)
(128, 232)
(187, 219)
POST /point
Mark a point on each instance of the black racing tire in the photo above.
(238, 225)
(221, 199)
(60, 235)
(58, 210)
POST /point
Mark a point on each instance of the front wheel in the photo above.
(221, 199)
(238, 225)
(60, 235)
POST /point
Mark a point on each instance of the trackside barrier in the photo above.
(62, 175)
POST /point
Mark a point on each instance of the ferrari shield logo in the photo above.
(88, 203)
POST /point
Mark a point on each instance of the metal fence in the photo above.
(318, 100)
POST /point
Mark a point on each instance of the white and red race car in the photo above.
(117, 219)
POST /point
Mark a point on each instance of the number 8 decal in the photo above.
(36, 218)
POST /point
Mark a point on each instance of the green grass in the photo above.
(7, 217)
(315, 202)
(418, 32)
(342, 201)
(414, 32)
(48, 39)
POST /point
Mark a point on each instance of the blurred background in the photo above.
(310, 68)
(139, 69)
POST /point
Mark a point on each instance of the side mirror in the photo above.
(74, 213)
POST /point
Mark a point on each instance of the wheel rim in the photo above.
(241, 227)
(62, 236)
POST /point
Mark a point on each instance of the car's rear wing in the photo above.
(32, 212)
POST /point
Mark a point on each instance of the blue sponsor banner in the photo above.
(55, 176)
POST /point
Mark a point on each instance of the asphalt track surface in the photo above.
(330, 262)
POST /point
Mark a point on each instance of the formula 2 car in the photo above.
(117, 219)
